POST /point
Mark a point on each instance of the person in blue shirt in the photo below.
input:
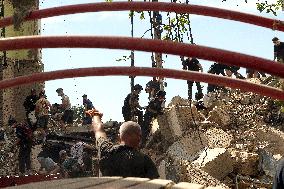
(88, 105)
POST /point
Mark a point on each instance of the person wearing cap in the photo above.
(131, 107)
(42, 110)
(279, 55)
(29, 105)
(124, 159)
(25, 140)
(278, 50)
(68, 113)
(154, 108)
(88, 105)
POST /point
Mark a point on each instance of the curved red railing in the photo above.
(169, 47)
(152, 6)
(143, 71)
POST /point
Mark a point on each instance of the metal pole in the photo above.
(132, 51)
(157, 19)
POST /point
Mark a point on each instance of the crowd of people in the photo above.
(122, 159)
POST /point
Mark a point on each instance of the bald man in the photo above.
(124, 159)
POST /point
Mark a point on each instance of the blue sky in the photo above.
(108, 93)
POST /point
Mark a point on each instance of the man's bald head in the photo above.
(130, 133)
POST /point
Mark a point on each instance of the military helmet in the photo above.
(137, 87)
(275, 39)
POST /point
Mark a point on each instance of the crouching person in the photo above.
(124, 159)
(47, 165)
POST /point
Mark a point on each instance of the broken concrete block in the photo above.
(219, 116)
(198, 176)
(164, 127)
(216, 162)
(246, 163)
(178, 101)
(187, 147)
(217, 138)
(182, 118)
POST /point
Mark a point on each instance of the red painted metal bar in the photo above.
(143, 71)
(153, 6)
(169, 47)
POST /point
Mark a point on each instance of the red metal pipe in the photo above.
(169, 47)
(143, 71)
(152, 6)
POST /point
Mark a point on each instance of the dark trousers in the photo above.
(146, 126)
(190, 85)
(25, 157)
(129, 115)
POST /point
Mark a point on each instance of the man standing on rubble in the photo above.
(279, 55)
(124, 159)
(25, 140)
(131, 107)
(192, 64)
(225, 70)
(278, 50)
(66, 107)
(42, 111)
(88, 105)
(154, 108)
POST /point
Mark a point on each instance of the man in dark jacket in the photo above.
(25, 139)
(124, 159)
(30, 106)
(131, 107)
(192, 64)
(152, 87)
(278, 50)
(154, 108)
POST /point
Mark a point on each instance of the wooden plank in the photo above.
(154, 184)
(123, 183)
(68, 183)
(186, 185)
(89, 182)
(49, 184)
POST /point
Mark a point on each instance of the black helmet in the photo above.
(137, 87)
(59, 90)
(161, 94)
(275, 39)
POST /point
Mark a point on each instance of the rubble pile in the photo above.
(230, 140)
(8, 155)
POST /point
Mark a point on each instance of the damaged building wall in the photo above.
(19, 62)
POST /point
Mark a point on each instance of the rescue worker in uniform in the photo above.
(131, 107)
(225, 70)
(152, 87)
(193, 64)
(154, 108)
